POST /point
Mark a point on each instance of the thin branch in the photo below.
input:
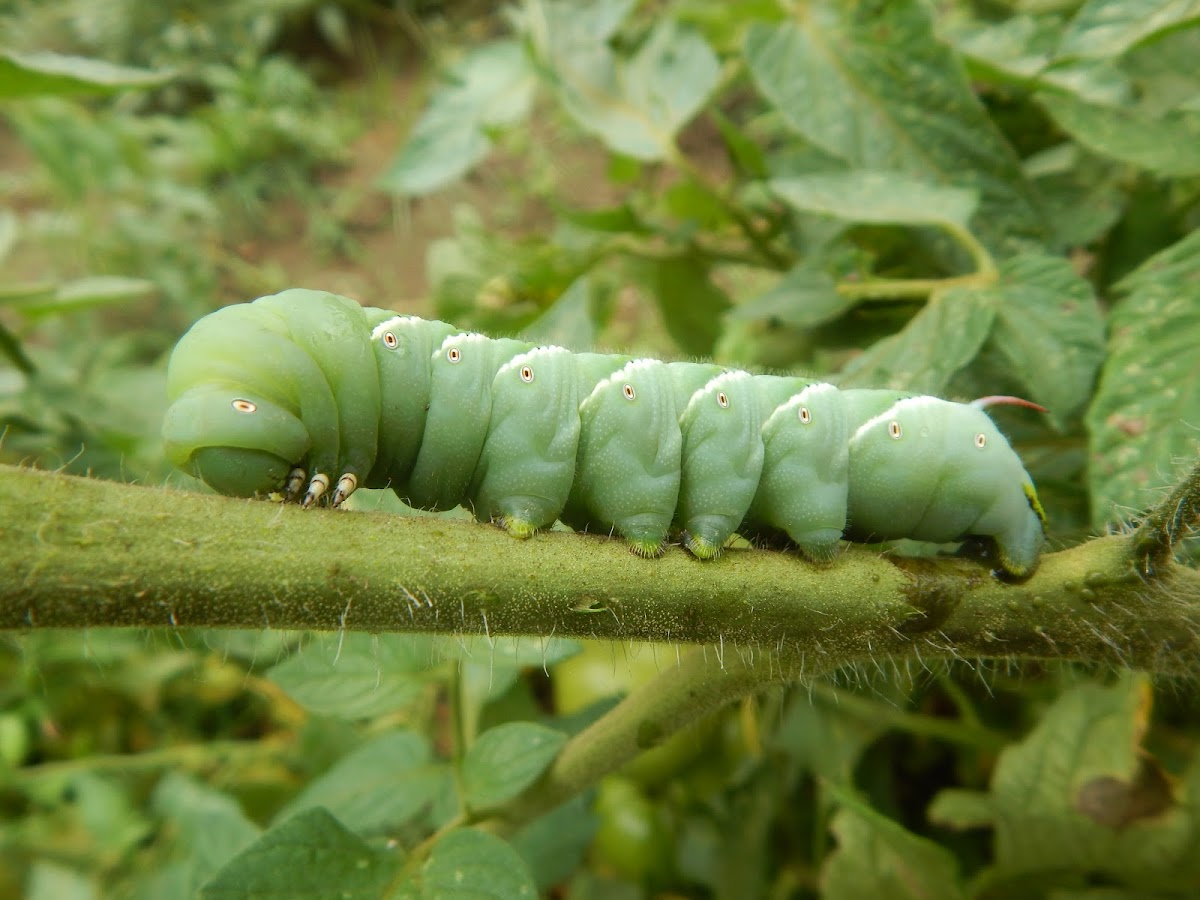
(187, 757)
(649, 715)
(907, 288)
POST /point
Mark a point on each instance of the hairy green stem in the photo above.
(700, 683)
(79, 553)
(1167, 524)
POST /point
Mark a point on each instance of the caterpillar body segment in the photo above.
(309, 391)
(403, 346)
(527, 466)
(722, 462)
(628, 466)
(802, 492)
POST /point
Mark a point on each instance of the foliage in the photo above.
(982, 201)
(143, 188)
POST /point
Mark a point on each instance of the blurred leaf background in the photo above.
(964, 198)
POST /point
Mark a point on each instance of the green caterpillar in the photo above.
(308, 391)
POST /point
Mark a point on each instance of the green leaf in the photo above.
(803, 298)
(1039, 315)
(572, 24)
(877, 857)
(1080, 798)
(1167, 144)
(379, 787)
(51, 74)
(554, 845)
(939, 341)
(823, 738)
(49, 881)
(885, 198)
(309, 855)
(569, 321)
(1142, 421)
(519, 652)
(635, 104)
(492, 86)
(870, 84)
(1083, 195)
(1021, 50)
(743, 151)
(469, 864)
(1049, 328)
(507, 759)
(357, 675)
(82, 294)
(209, 824)
(691, 304)
(961, 809)
(1015, 49)
(1107, 28)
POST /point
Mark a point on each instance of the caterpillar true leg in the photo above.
(346, 486)
(295, 481)
(316, 487)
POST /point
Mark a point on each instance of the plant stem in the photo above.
(1166, 525)
(78, 553)
(182, 756)
(955, 732)
(985, 265)
(645, 718)
(906, 288)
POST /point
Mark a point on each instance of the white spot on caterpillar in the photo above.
(620, 377)
(981, 440)
(798, 404)
(393, 324)
(715, 389)
(451, 347)
(894, 430)
(523, 363)
(893, 412)
(244, 406)
(629, 392)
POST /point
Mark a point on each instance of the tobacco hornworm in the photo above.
(300, 388)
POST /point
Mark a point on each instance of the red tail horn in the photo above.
(1005, 400)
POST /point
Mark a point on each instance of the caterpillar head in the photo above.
(238, 442)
